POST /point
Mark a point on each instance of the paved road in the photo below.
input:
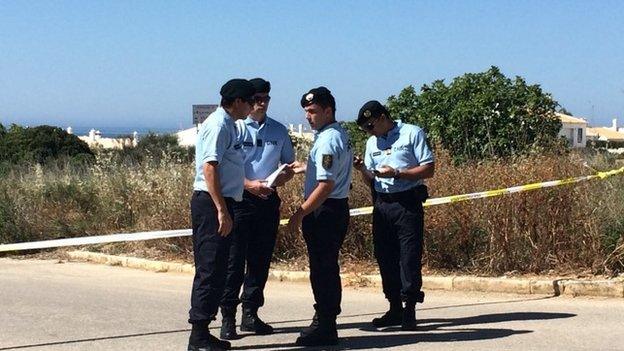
(47, 305)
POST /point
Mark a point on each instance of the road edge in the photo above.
(548, 286)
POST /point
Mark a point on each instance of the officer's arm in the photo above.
(425, 158)
(298, 167)
(415, 173)
(211, 175)
(367, 176)
(317, 197)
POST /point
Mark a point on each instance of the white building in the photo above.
(574, 129)
(612, 133)
(187, 137)
(95, 140)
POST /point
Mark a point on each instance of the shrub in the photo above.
(40, 144)
(482, 115)
(573, 227)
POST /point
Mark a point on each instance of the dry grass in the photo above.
(576, 227)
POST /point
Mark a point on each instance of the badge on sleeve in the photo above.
(328, 160)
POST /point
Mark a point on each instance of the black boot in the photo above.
(323, 333)
(394, 316)
(312, 327)
(202, 340)
(408, 319)
(228, 323)
(251, 322)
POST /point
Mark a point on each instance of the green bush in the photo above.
(40, 144)
(482, 115)
(151, 148)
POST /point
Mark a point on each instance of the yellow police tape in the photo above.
(492, 193)
(89, 240)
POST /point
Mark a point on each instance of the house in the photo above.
(574, 129)
(613, 133)
(95, 140)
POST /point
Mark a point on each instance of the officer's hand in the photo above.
(258, 188)
(225, 223)
(385, 172)
(286, 175)
(294, 222)
(358, 163)
(298, 167)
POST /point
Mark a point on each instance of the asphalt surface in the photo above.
(46, 305)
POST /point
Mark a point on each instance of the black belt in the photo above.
(418, 193)
(200, 192)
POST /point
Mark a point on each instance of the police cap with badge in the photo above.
(371, 111)
(321, 96)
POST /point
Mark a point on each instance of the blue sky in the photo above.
(144, 63)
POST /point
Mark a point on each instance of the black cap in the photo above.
(237, 88)
(321, 96)
(261, 85)
(370, 110)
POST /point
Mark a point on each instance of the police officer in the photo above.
(266, 144)
(396, 161)
(324, 215)
(218, 185)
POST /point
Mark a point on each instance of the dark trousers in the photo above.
(324, 231)
(210, 252)
(398, 244)
(253, 242)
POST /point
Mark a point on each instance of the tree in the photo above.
(40, 144)
(481, 115)
(357, 137)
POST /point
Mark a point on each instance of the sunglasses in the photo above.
(261, 99)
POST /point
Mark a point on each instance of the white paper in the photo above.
(271, 178)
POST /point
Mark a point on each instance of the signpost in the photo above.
(201, 112)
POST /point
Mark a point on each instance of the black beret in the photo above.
(370, 110)
(261, 85)
(320, 95)
(237, 88)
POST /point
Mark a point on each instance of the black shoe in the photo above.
(318, 338)
(252, 323)
(408, 318)
(312, 327)
(209, 343)
(322, 332)
(204, 348)
(390, 318)
(228, 323)
(228, 328)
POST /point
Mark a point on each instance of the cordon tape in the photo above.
(100, 239)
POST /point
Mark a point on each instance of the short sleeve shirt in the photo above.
(330, 158)
(405, 146)
(265, 146)
(217, 141)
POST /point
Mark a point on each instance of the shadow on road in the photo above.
(399, 338)
(385, 341)
(381, 340)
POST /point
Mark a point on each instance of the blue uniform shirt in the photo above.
(330, 159)
(217, 141)
(405, 146)
(265, 146)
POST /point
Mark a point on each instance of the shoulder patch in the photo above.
(328, 161)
